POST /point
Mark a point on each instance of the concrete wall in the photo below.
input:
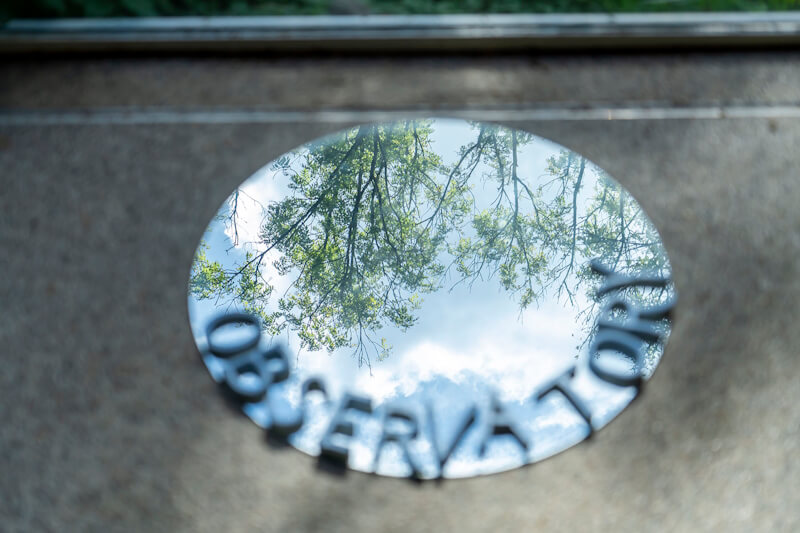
(110, 422)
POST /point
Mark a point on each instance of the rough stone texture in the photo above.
(110, 423)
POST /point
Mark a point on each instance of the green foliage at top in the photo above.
(140, 8)
(375, 219)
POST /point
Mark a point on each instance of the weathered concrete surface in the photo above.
(110, 423)
(392, 82)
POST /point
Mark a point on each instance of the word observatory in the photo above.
(249, 374)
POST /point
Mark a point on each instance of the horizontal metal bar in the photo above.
(401, 33)
(249, 116)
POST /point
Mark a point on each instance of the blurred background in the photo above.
(117, 146)
(153, 8)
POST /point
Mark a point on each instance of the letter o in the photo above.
(232, 318)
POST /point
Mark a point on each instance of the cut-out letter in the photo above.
(341, 428)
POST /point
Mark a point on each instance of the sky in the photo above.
(468, 344)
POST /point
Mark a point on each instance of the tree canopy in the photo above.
(375, 218)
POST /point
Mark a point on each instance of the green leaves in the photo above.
(375, 219)
(138, 8)
(350, 235)
(207, 277)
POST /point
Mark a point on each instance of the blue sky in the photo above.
(467, 343)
